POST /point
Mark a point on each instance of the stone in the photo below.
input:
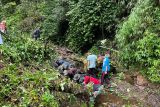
(141, 81)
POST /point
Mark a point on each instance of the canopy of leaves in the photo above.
(92, 20)
(3, 2)
(138, 39)
(55, 24)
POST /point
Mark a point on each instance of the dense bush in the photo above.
(138, 39)
(8, 1)
(30, 19)
(55, 24)
(92, 20)
(29, 89)
(24, 49)
(18, 45)
(37, 87)
(8, 9)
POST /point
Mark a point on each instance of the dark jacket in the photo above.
(36, 34)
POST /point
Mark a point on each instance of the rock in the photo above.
(141, 81)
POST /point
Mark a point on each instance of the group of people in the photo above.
(79, 75)
(102, 61)
(3, 29)
(68, 68)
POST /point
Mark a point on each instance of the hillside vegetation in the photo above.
(131, 29)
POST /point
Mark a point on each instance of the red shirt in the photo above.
(88, 79)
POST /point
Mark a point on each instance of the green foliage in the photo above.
(20, 87)
(30, 19)
(120, 76)
(94, 50)
(138, 39)
(91, 20)
(20, 49)
(54, 12)
(8, 9)
(97, 48)
(48, 100)
(36, 86)
(148, 52)
(8, 1)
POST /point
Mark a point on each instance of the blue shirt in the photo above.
(106, 63)
(92, 61)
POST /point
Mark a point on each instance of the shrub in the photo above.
(23, 49)
(138, 41)
(93, 20)
(55, 24)
(8, 9)
(29, 89)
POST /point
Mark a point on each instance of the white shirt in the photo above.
(92, 61)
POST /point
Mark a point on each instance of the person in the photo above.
(70, 72)
(76, 77)
(91, 61)
(85, 63)
(60, 61)
(3, 27)
(36, 34)
(100, 60)
(1, 40)
(105, 67)
(65, 66)
(96, 84)
(3, 30)
(88, 79)
(81, 79)
(79, 75)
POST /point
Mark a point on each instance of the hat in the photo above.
(76, 77)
